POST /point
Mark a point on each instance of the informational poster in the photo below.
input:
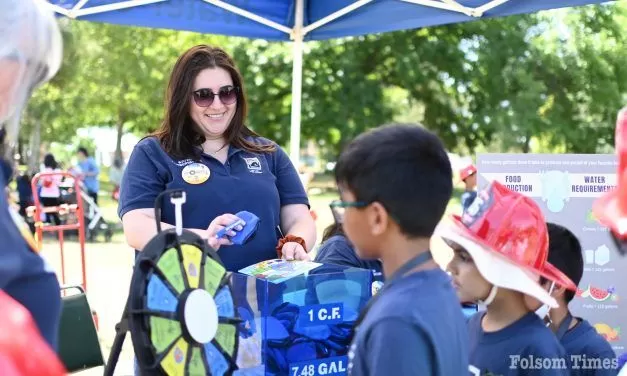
(565, 186)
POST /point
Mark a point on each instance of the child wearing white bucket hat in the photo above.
(500, 249)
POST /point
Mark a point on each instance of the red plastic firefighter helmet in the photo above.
(23, 352)
(611, 208)
(506, 234)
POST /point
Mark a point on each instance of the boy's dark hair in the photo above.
(406, 169)
(565, 254)
(83, 150)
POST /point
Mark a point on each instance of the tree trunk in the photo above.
(118, 142)
(527, 145)
(35, 147)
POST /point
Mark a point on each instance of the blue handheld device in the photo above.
(245, 234)
(222, 233)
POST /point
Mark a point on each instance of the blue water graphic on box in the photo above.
(300, 325)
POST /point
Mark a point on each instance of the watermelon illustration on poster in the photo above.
(565, 186)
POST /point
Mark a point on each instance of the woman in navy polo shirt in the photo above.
(224, 167)
(30, 54)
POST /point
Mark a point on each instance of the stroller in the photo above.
(94, 222)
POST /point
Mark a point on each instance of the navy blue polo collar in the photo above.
(232, 151)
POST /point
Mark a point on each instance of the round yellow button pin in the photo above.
(196, 173)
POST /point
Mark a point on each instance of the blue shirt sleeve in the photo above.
(289, 185)
(337, 252)
(142, 181)
(92, 166)
(398, 348)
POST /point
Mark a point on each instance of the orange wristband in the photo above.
(287, 239)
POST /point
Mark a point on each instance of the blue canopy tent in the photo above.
(297, 20)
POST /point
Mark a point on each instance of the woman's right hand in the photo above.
(218, 224)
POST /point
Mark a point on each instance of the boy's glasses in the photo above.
(338, 207)
(205, 97)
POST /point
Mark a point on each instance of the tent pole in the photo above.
(297, 81)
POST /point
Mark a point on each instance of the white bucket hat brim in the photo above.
(495, 268)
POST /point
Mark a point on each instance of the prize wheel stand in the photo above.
(63, 210)
(180, 310)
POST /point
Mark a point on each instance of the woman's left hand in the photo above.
(294, 251)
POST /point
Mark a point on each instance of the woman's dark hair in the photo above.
(332, 230)
(50, 162)
(178, 134)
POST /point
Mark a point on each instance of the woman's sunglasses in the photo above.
(205, 97)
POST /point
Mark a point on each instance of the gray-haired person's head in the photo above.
(31, 49)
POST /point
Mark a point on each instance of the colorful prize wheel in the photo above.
(182, 317)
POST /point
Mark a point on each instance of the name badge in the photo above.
(195, 173)
(376, 287)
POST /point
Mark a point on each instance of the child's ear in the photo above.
(558, 291)
(378, 218)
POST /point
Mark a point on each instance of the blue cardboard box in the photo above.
(297, 325)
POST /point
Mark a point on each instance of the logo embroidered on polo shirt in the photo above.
(184, 162)
(253, 164)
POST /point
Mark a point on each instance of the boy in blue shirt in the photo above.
(589, 353)
(395, 183)
(500, 248)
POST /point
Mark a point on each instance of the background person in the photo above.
(49, 192)
(89, 171)
(116, 172)
(468, 175)
(589, 353)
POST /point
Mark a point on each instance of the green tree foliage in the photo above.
(554, 79)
